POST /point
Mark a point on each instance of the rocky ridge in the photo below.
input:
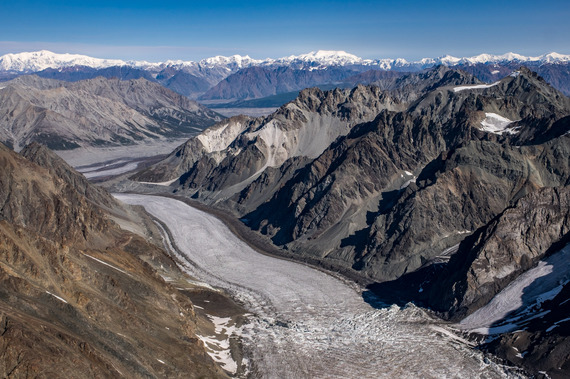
(423, 183)
(302, 128)
(78, 289)
(97, 112)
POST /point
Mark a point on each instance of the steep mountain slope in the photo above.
(79, 296)
(228, 156)
(100, 111)
(360, 181)
(383, 197)
(450, 192)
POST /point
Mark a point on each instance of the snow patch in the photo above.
(494, 123)
(107, 264)
(218, 346)
(521, 300)
(57, 297)
(478, 86)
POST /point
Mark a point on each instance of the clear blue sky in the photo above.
(191, 30)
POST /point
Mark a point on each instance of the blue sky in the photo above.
(192, 30)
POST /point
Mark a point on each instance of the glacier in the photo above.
(307, 323)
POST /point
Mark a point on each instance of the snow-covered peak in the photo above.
(324, 58)
(554, 58)
(43, 59)
(236, 60)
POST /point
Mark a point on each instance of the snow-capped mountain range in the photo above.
(40, 60)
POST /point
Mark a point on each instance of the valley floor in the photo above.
(305, 323)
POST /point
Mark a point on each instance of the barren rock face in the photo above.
(79, 297)
(96, 112)
(509, 245)
(381, 183)
(228, 156)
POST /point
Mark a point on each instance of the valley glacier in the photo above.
(306, 323)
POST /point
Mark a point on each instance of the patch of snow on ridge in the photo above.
(57, 297)
(218, 346)
(524, 295)
(494, 123)
(478, 86)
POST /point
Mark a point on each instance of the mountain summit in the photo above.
(40, 60)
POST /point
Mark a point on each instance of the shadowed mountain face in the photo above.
(439, 172)
(97, 112)
(385, 196)
(78, 295)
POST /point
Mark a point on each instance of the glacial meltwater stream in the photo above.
(309, 324)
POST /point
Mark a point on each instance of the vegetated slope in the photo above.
(79, 296)
(94, 112)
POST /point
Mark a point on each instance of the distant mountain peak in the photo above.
(40, 60)
(43, 59)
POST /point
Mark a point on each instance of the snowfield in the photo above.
(521, 300)
(478, 86)
(307, 323)
(497, 124)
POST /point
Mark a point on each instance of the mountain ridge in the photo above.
(98, 111)
(43, 59)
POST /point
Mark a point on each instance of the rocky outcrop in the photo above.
(94, 112)
(57, 167)
(225, 158)
(353, 205)
(537, 224)
(377, 184)
(75, 288)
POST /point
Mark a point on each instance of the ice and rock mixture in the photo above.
(521, 301)
(307, 323)
(497, 124)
